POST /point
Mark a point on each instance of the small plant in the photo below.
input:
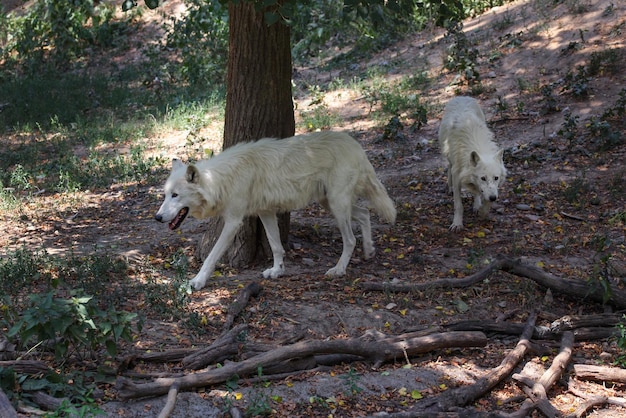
(74, 325)
(351, 382)
(201, 36)
(319, 118)
(462, 56)
(576, 192)
(577, 84)
(393, 130)
(621, 342)
(605, 135)
(618, 110)
(548, 99)
(604, 62)
(569, 128)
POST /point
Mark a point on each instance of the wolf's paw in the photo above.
(273, 273)
(483, 211)
(369, 253)
(197, 282)
(456, 227)
(336, 272)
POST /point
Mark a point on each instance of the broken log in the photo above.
(591, 401)
(452, 399)
(466, 394)
(251, 290)
(374, 351)
(225, 346)
(537, 391)
(171, 401)
(585, 327)
(606, 293)
(600, 373)
(31, 367)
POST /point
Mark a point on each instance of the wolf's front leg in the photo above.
(270, 223)
(457, 222)
(484, 209)
(231, 226)
(478, 202)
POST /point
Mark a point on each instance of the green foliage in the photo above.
(74, 325)
(171, 299)
(577, 191)
(569, 128)
(351, 382)
(548, 99)
(75, 387)
(604, 62)
(201, 37)
(621, 342)
(397, 99)
(462, 56)
(55, 32)
(577, 83)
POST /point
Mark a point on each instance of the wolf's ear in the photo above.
(176, 163)
(474, 158)
(193, 175)
(499, 155)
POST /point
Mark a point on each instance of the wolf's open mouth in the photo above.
(182, 214)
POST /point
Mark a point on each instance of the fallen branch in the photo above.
(591, 400)
(31, 367)
(450, 400)
(374, 351)
(600, 373)
(537, 391)
(466, 394)
(171, 401)
(251, 290)
(603, 327)
(226, 345)
(576, 288)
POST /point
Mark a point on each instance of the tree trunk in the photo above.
(258, 104)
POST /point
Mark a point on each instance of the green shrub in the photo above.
(74, 325)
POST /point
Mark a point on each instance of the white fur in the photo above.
(475, 161)
(270, 176)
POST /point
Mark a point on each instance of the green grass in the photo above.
(97, 115)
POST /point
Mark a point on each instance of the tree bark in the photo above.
(259, 104)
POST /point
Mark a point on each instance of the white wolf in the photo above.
(270, 176)
(475, 161)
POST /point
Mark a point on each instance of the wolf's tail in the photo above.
(377, 195)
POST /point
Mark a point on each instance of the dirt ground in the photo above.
(522, 46)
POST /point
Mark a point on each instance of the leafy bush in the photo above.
(75, 325)
(58, 30)
(462, 56)
(201, 37)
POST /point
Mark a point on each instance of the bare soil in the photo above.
(559, 202)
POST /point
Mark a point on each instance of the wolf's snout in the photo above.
(159, 217)
(493, 198)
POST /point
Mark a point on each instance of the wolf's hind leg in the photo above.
(362, 216)
(270, 223)
(341, 210)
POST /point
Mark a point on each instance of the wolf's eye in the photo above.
(174, 194)
(483, 178)
(496, 178)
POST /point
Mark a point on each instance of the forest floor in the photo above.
(561, 209)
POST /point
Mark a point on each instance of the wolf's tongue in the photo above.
(180, 217)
